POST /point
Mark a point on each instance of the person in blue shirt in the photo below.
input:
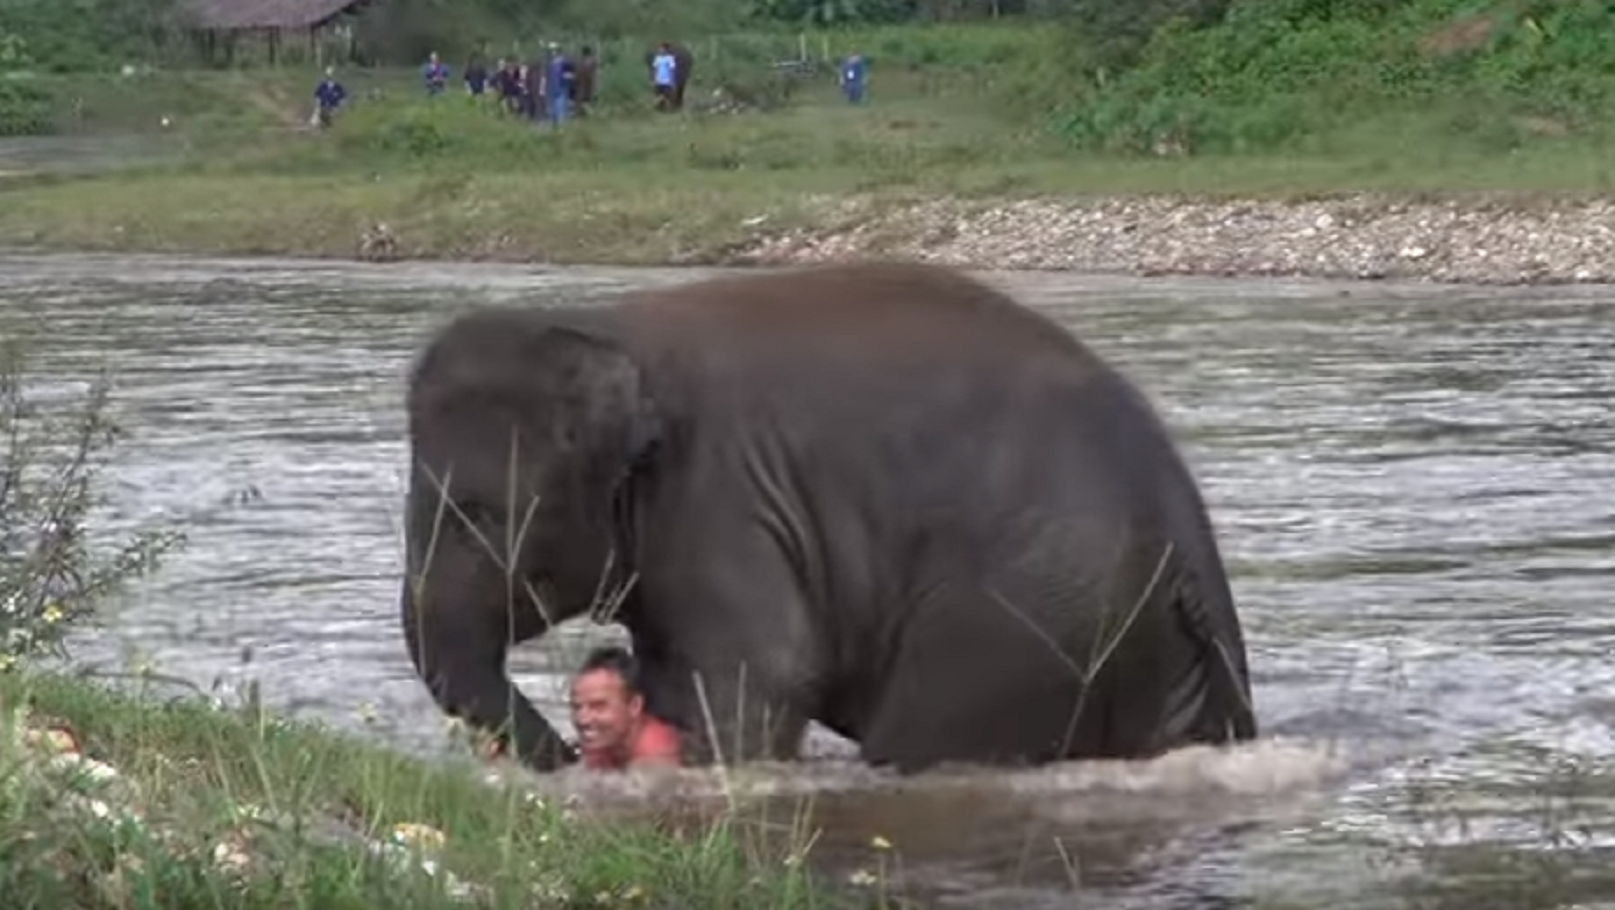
(436, 74)
(328, 96)
(663, 68)
(558, 76)
(854, 76)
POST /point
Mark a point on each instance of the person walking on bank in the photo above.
(328, 96)
(664, 70)
(854, 74)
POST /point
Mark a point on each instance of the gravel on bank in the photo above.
(1469, 240)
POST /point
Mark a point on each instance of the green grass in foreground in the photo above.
(210, 785)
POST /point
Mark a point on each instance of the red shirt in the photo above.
(655, 739)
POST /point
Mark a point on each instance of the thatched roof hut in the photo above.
(210, 19)
(265, 15)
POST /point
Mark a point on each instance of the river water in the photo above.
(1413, 487)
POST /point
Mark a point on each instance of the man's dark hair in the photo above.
(617, 660)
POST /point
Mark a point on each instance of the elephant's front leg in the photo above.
(744, 710)
(730, 657)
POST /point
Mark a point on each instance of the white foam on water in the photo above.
(1266, 768)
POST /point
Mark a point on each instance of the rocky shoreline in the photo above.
(1469, 240)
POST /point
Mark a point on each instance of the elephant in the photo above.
(887, 498)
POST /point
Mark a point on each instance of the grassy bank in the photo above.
(723, 187)
(451, 181)
(215, 808)
(1293, 99)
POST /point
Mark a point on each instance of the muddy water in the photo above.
(1413, 486)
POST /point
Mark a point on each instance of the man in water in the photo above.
(608, 711)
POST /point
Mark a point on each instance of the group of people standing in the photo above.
(553, 87)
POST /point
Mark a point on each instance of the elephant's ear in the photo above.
(607, 412)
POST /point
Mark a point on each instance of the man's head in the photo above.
(607, 703)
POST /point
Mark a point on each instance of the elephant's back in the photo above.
(886, 314)
(886, 369)
(898, 357)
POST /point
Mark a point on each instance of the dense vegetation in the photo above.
(1099, 76)
(1304, 74)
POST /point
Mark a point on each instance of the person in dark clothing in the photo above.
(533, 88)
(583, 81)
(476, 76)
(854, 77)
(508, 83)
(328, 96)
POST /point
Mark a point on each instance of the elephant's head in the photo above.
(523, 425)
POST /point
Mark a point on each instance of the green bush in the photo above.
(51, 573)
(1277, 75)
(25, 109)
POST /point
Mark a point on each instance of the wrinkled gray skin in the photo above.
(882, 497)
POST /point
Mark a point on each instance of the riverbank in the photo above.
(931, 169)
(1470, 240)
(580, 218)
(109, 798)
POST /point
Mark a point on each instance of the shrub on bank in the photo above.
(1297, 75)
(25, 108)
(54, 572)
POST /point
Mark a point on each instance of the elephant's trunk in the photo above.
(461, 658)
